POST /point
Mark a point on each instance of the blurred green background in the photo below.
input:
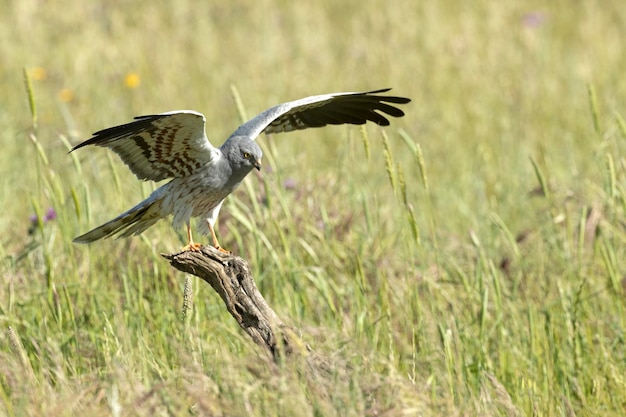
(467, 263)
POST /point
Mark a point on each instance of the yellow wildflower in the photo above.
(132, 80)
(38, 73)
(66, 95)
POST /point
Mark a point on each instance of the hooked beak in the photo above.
(257, 164)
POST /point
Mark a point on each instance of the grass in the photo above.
(465, 261)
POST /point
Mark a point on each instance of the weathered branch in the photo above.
(230, 277)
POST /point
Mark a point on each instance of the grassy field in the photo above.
(466, 261)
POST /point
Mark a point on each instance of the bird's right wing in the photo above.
(159, 146)
(322, 110)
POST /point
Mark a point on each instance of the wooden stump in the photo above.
(230, 277)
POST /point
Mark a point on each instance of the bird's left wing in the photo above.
(322, 110)
(159, 146)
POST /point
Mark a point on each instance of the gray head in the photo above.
(243, 154)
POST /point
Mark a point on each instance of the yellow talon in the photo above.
(192, 246)
(216, 244)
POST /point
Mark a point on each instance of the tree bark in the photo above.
(230, 277)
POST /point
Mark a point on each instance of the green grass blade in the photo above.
(593, 105)
(31, 98)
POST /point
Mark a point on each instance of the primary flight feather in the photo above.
(174, 145)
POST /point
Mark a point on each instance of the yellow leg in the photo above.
(216, 244)
(190, 243)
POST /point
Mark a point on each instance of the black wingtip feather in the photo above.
(103, 136)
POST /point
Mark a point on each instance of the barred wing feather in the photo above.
(160, 146)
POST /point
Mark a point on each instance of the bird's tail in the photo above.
(130, 223)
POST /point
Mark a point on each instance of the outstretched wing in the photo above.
(322, 110)
(159, 146)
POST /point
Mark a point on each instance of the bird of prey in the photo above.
(174, 145)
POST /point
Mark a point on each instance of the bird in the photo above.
(174, 145)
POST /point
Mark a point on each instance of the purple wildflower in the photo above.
(289, 184)
(51, 214)
(533, 19)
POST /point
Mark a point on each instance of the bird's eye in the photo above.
(246, 155)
